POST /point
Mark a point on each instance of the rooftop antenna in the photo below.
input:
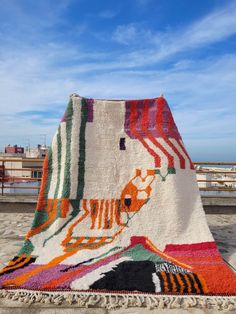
(44, 136)
(28, 144)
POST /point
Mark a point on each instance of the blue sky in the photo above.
(120, 49)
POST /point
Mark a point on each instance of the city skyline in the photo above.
(126, 49)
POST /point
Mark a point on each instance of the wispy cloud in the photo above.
(24, 21)
(160, 46)
(42, 116)
(38, 70)
(143, 2)
(213, 28)
(107, 14)
(131, 34)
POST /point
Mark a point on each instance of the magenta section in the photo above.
(167, 126)
(63, 119)
(90, 103)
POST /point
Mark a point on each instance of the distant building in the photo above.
(204, 179)
(17, 165)
(14, 149)
(39, 152)
(2, 172)
(20, 168)
(217, 180)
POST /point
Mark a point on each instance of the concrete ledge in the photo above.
(219, 205)
(18, 203)
(27, 204)
(219, 201)
(207, 200)
(217, 210)
(17, 207)
(16, 198)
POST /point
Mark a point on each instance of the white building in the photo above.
(219, 180)
(39, 152)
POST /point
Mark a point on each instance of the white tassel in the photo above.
(124, 301)
(16, 296)
(187, 302)
(155, 302)
(117, 300)
(161, 304)
(113, 302)
(38, 297)
(70, 298)
(93, 300)
(104, 301)
(82, 300)
(136, 301)
(58, 300)
(175, 303)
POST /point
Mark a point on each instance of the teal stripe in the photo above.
(27, 248)
(40, 216)
(49, 177)
(58, 161)
(82, 142)
(81, 169)
(58, 210)
(67, 178)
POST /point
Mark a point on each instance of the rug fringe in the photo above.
(119, 300)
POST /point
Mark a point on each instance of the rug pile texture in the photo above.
(119, 219)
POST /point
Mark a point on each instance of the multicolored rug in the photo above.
(119, 218)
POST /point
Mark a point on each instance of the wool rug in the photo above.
(119, 219)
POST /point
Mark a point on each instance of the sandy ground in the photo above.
(14, 226)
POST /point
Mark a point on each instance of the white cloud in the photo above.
(215, 27)
(161, 46)
(201, 102)
(131, 34)
(125, 33)
(107, 14)
(200, 93)
(143, 2)
(218, 25)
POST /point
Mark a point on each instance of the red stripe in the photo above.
(133, 121)
(42, 199)
(170, 126)
(152, 138)
(159, 125)
(190, 247)
(184, 150)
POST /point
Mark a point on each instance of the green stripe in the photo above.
(40, 217)
(58, 210)
(81, 171)
(58, 161)
(67, 178)
(27, 248)
(49, 177)
(139, 253)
